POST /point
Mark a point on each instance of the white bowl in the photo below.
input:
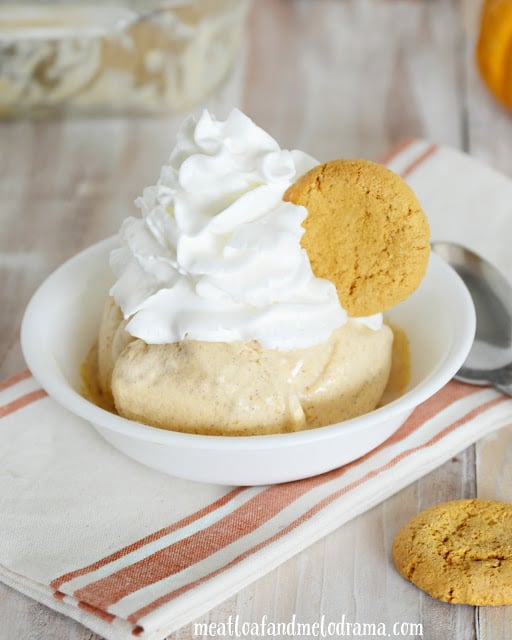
(61, 323)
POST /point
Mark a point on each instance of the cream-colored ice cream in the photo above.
(216, 323)
(238, 388)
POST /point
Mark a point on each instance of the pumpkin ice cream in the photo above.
(238, 388)
(217, 323)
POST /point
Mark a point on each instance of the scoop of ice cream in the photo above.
(238, 388)
(216, 254)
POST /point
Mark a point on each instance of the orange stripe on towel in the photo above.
(419, 160)
(12, 380)
(23, 401)
(396, 150)
(55, 584)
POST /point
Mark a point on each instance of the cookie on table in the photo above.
(365, 231)
(459, 551)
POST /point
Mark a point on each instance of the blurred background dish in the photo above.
(116, 57)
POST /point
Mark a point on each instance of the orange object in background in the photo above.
(494, 48)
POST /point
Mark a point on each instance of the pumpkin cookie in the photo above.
(365, 231)
(459, 552)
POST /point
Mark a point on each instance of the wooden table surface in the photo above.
(334, 78)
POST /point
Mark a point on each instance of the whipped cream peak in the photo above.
(216, 253)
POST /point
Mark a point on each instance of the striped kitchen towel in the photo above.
(130, 552)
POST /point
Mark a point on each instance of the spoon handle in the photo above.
(504, 388)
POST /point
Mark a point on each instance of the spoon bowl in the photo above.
(490, 358)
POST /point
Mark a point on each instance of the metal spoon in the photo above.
(490, 358)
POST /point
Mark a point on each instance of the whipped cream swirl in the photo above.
(216, 253)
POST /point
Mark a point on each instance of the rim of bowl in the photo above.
(50, 377)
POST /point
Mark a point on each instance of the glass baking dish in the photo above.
(118, 57)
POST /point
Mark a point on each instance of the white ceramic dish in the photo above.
(61, 323)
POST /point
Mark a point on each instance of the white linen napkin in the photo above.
(130, 552)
